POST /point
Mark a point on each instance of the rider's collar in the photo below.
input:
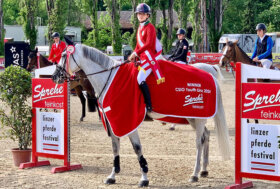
(145, 23)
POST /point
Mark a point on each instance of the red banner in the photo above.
(209, 58)
(261, 101)
(2, 63)
(47, 94)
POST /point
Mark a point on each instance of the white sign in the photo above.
(260, 150)
(50, 132)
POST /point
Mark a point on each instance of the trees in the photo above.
(183, 7)
(113, 7)
(2, 32)
(90, 8)
(28, 15)
(215, 21)
(135, 23)
(56, 17)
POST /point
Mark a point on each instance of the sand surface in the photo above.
(170, 156)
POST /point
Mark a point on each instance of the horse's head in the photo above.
(32, 60)
(229, 53)
(65, 68)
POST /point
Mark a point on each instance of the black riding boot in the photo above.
(147, 97)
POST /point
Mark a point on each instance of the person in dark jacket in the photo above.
(182, 46)
(262, 53)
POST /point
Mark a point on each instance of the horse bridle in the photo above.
(227, 64)
(95, 73)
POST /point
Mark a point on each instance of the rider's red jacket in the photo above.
(55, 54)
(146, 39)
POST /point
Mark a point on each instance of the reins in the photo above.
(68, 77)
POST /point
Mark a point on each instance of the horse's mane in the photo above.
(98, 57)
(245, 55)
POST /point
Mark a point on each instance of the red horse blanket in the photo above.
(187, 93)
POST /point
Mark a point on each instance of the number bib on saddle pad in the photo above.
(187, 93)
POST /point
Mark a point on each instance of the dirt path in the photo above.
(170, 156)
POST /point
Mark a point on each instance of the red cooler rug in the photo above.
(186, 93)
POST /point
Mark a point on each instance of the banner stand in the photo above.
(257, 152)
(50, 130)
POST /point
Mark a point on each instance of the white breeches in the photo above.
(142, 76)
(181, 62)
(266, 63)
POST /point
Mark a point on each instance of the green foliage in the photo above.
(183, 8)
(57, 18)
(271, 17)
(163, 26)
(2, 43)
(242, 16)
(213, 34)
(133, 40)
(11, 10)
(28, 17)
(125, 38)
(104, 33)
(113, 9)
(196, 34)
(15, 89)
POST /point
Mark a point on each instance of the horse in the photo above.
(233, 53)
(99, 67)
(78, 86)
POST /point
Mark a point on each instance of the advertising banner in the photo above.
(47, 94)
(16, 53)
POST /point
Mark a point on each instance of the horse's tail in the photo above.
(221, 127)
(220, 75)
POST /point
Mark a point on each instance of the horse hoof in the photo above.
(171, 128)
(110, 181)
(117, 169)
(144, 183)
(204, 174)
(193, 179)
(81, 119)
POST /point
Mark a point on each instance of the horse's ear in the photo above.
(68, 40)
(236, 41)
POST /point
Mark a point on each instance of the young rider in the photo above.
(263, 46)
(147, 49)
(57, 48)
(182, 46)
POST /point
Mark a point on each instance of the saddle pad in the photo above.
(186, 92)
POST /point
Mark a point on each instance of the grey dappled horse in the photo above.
(98, 68)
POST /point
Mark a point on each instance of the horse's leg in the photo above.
(80, 94)
(205, 142)
(116, 168)
(135, 141)
(198, 125)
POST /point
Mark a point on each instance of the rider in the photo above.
(147, 48)
(263, 46)
(182, 46)
(57, 48)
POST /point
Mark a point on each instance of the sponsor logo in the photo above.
(193, 100)
(256, 101)
(43, 94)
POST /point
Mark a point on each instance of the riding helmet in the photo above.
(261, 26)
(181, 31)
(144, 8)
(55, 34)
